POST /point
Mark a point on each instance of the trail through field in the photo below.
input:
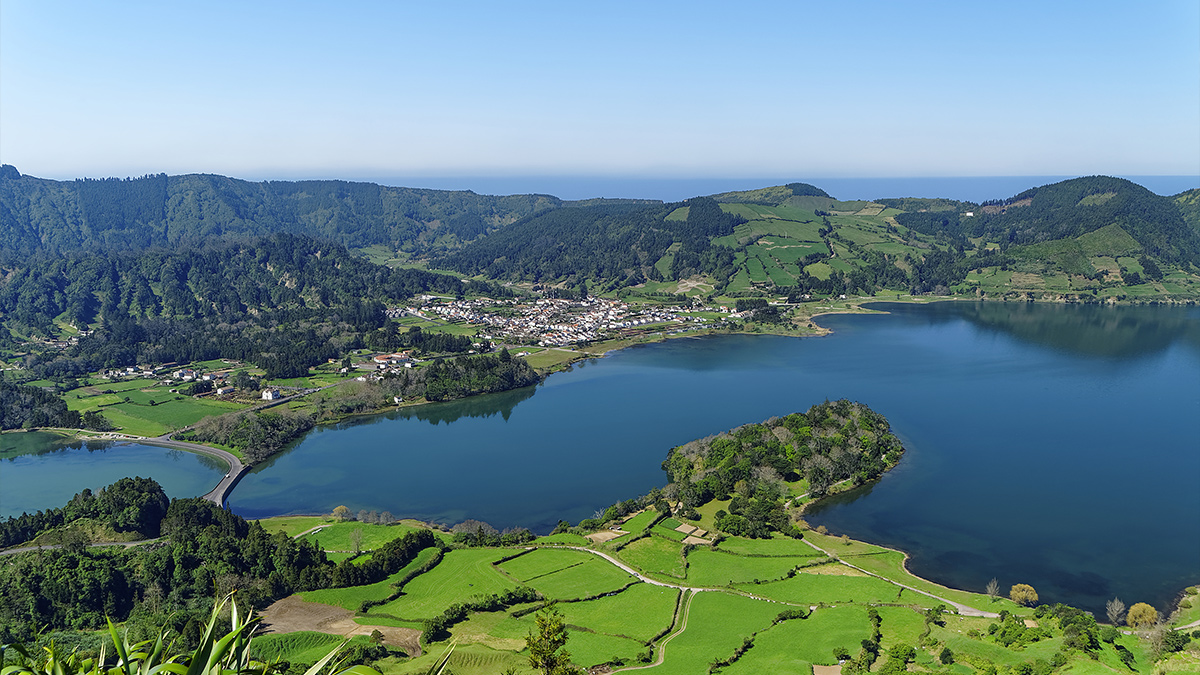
(293, 614)
(681, 620)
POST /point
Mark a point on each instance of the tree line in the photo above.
(206, 552)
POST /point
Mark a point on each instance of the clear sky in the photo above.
(661, 89)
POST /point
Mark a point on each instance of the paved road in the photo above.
(236, 469)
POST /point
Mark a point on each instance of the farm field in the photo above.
(783, 604)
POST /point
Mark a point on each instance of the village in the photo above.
(556, 322)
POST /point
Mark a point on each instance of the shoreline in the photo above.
(857, 307)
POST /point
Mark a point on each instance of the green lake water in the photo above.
(1051, 445)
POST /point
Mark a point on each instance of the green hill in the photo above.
(160, 210)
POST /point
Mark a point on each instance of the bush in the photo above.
(946, 656)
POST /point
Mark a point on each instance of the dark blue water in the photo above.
(1052, 445)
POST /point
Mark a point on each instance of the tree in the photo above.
(356, 540)
(993, 588)
(946, 656)
(546, 642)
(1141, 616)
(1023, 594)
(1115, 610)
(341, 512)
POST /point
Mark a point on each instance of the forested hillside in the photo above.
(282, 302)
(160, 210)
(600, 243)
(207, 551)
(1070, 209)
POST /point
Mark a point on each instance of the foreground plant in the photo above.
(217, 654)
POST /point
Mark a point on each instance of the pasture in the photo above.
(461, 574)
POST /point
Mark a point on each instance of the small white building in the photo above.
(221, 391)
(271, 394)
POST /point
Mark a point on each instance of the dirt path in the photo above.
(962, 609)
(293, 613)
(681, 620)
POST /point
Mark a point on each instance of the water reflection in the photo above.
(476, 406)
(1091, 330)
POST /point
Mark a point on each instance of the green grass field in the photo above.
(543, 561)
(293, 525)
(337, 536)
(792, 646)
(584, 580)
(301, 647)
(714, 568)
(717, 622)
(352, 598)
(639, 612)
(777, 546)
(461, 574)
(655, 556)
(639, 523)
(811, 589)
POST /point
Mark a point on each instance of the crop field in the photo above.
(467, 659)
(543, 561)
(891, 565)
(293, 525)
(352, 598)
(780, 277)
(815, 588)
(299, 647)
(639, 612)
(717, 622)
(564, 538)
(585, 580)
(714, 568)
(638, 523)
(778, 546)
(756, 270)
(461, 574)
(587, 647)
(790, 646)
(819, 270)
(139, 415)
(337, 536)
(655, 555)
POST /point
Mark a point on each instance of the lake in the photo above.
(1047, 444)
(62, 467)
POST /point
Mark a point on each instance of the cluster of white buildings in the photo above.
(549, 321)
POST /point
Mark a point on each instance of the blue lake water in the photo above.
(52, 476)
(1051, 445)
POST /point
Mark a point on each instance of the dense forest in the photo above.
(256, 435)
(611, 244)
(830, 443)
(205, 552)
(170, 211)
(282, 302)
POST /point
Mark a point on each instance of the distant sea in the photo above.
(971, 189)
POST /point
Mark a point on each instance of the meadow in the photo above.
(732, 597)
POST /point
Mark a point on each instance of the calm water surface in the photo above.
(61, 468)
(1050, 445)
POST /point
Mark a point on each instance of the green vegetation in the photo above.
(750, 465)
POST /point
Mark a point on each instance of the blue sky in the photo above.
(662, 89)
